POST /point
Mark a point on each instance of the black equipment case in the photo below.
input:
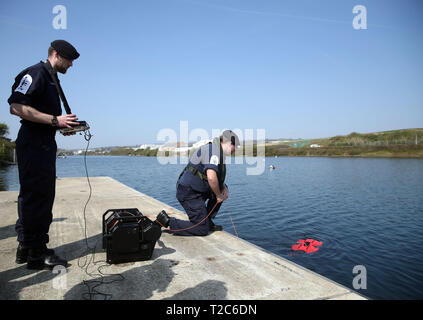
(128, 235)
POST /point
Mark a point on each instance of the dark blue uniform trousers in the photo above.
(37, 178)
(195, 206)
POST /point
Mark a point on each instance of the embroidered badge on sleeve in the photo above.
(214, 160)
(24, 85)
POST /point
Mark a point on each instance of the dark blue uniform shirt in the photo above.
(35, 87)
(207, 157)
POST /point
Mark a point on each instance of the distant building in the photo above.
(315, 146)
(146, 146)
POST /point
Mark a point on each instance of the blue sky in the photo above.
(297, 69)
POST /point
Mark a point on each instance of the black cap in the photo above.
(229, 135)
(65, 49)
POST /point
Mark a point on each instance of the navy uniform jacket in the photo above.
(35, 87)
(206, 157)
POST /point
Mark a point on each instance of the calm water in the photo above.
(365, 211)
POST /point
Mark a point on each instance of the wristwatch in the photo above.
(54, 121)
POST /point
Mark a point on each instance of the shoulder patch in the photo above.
(214, 160)
(24, 85)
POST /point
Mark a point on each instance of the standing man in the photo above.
(36, 101)
(201, 180)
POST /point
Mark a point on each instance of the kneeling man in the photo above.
(201, 189)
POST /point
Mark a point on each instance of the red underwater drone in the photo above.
(307, 245)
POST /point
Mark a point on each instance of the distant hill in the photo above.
(383, 138)
(394, 143)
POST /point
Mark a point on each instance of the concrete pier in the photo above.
(218, 266)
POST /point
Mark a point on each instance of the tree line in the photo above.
(6, 146)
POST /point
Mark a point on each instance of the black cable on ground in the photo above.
(89, 254)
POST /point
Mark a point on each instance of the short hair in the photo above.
(229, 135)
(50, 51)
(224, 139)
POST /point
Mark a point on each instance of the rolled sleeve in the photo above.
(27, 88)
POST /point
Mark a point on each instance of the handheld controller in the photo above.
(81, 126)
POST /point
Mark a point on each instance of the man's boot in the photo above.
(215, 227)
(40, 258)
(22, 253)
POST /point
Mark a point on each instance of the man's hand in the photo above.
(31, 114)
(225, 193)
(214, 184)
(66, 120)
(221, 197)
